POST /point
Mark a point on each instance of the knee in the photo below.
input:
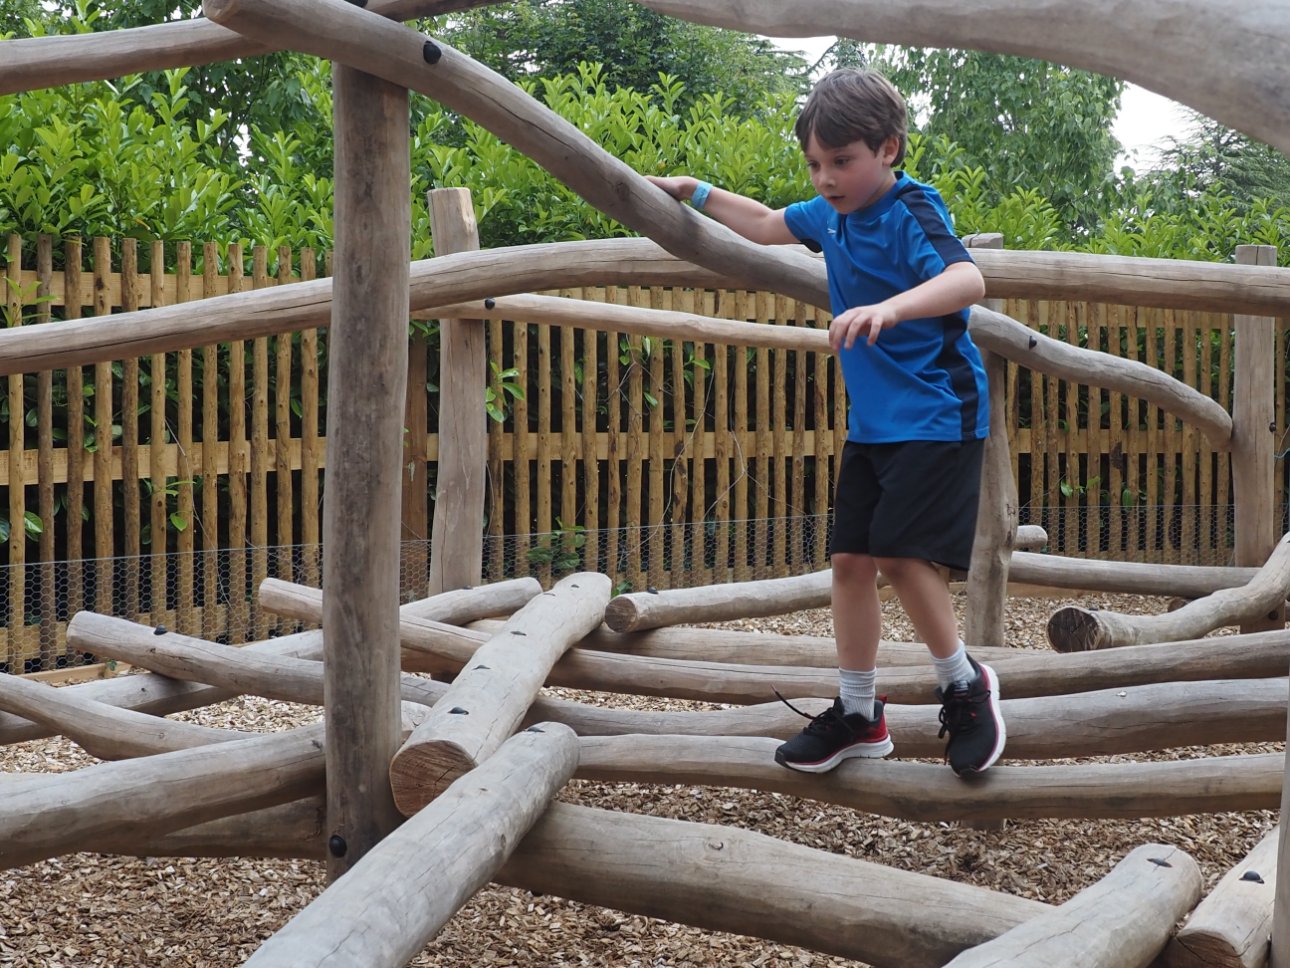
(894, 569)
(851, 568)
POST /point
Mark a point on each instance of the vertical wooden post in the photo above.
(457, 535)
(996, 523)
(415, 531)
(1253, 436)
(366, 384)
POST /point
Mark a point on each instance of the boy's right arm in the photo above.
(747, 216)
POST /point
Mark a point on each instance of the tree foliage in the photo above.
(634, 45)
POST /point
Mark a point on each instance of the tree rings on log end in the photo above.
(421, 773)
(1074, 629)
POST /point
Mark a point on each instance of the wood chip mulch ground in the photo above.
(87, 909)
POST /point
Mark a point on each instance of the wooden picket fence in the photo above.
(658, 462)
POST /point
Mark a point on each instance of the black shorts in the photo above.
(908, 500)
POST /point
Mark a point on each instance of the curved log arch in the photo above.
(1167, 46)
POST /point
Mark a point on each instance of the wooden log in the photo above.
(1031, 537)
(991, 331)
(1254, 471)
(457, 535)
(1128, 577)
(718, 603)
(488, 700)
(456, 607)
(1103, 37)
(726, 879)
(236, 670)
(36, 62)
(1231, 925)
(1103, 723)
(143, 798)
(347, 34)
(996, 525)
(1122, 921)
(931, 793)
(107, 732)
(403, 892)
(1075, 629)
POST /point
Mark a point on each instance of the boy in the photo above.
(900, 284)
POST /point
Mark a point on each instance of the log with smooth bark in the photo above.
(1075, 629)
(393, 901)
(160, 695)
(932, 793)
(488, 700)
(228, 667)
(139, 799)
(1247, 87)
(1230, 926)
(1122, 921)
(1125, 577)
(402, 56)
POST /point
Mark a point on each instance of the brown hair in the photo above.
(854, 105)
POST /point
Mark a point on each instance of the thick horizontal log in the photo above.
(1075, 629)
(1129, 577)
(195, 660)
(394, 900)
(718, 603)
(295, 829)
(1246, 87)
(932, 793)
(344, 33)
(304, 602)
(36, 62)
(1122, 921)
(161, 695)
(727, 879)
(488, 700)
(1231, 926)
(140, 799)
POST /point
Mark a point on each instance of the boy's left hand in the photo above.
(860, 322)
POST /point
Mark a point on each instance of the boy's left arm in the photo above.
(959, 285)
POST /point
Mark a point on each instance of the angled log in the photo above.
(390, 904)
(1074, 629)
(1231, 926)
(295, 829)
(108, 732)
(1104, 723)
(304, 602)
(488, 700)
(1180, 63)
(36, 62)
(140, 799)
(727, 879)
(228, 667)
(347, 34)
(160, 695)
(931, 793)
(1122, 921)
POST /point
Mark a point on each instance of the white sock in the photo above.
(954, 671)
(858, 691)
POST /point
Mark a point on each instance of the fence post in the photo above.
(1253, 436)
(996, 524)
(457, 532)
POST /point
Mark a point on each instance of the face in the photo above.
(853, 176)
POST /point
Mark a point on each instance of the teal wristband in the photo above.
(700, 196)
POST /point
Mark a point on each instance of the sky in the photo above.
(1144, 121)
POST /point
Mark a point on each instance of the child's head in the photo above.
(853, 105)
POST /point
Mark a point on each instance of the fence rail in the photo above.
(197, 464)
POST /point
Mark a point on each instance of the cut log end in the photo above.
(421, 773)
(621, 614)
(1074, 629)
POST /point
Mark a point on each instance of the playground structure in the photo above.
(449, 755)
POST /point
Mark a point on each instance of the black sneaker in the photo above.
(834, 736)
(971, 717)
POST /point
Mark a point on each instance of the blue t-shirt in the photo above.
(923, 379)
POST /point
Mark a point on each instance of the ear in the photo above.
(889, 150)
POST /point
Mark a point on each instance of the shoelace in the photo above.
(819, 723)
(957, 713)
